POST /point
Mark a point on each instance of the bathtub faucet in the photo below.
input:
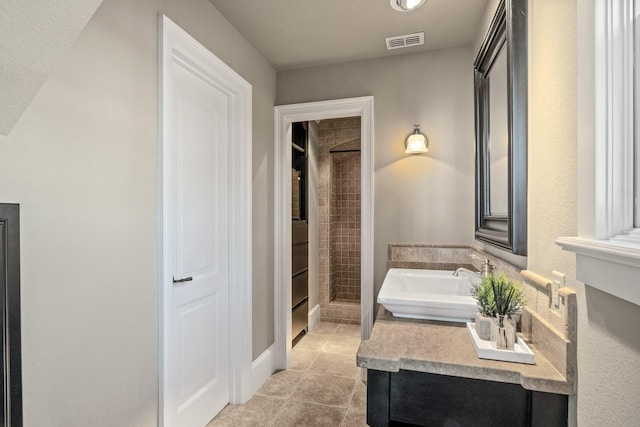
(487, 268)
(466, 271)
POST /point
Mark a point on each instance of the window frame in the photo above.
(636, 39)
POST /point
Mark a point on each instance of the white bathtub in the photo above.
(428, 294)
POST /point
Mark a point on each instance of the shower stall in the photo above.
(339, 219)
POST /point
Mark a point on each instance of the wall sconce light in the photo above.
(416, 143)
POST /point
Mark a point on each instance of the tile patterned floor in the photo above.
(321, 388)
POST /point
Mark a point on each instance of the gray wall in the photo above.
(425, 198)
(82, 162)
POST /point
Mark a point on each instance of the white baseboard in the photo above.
(314, 316)
(262, 368)
(264, 365)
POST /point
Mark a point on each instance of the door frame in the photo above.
(285, 115)
(176, 45)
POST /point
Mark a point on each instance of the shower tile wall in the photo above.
(333, 203)
(345, 226)
(332, 272)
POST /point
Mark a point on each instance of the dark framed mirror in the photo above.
(10, 343)
(501, 130)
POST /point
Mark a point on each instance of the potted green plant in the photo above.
(483, 293)
(498, 298)
(509, 300)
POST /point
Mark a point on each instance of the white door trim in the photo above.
(178, 45)
(285, 115)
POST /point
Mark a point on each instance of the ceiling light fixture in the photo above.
(406, 5)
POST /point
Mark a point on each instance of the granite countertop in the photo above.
(445, 348)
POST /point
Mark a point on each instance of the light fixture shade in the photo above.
(406, 5)
(416, 143)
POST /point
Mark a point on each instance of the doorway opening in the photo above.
(358, 113)
(339, 184)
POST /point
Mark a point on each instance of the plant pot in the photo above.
(506, 336)
(493, 335)
(503, 333)
(483, 326)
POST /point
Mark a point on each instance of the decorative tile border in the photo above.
(341, 312)
(429, 256)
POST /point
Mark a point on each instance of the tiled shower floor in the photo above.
(322, 387)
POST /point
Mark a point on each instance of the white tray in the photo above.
(521, 352)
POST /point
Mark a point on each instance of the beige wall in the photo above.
(608, 343)
(426, 198)
(82, 162)
(552, 180)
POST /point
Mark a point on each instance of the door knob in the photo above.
(186, 279)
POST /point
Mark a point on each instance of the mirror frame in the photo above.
(509, 26)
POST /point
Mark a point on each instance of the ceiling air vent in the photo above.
(407, 40)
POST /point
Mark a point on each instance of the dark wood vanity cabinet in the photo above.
(416, 398)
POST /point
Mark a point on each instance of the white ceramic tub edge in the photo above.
(428, 294)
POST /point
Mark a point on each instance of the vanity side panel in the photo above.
(378, 386)
(549, 409)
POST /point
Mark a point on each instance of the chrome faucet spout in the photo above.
(466, 270)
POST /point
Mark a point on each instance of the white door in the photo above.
(198, 365)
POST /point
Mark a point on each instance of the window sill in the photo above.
(611, 265)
